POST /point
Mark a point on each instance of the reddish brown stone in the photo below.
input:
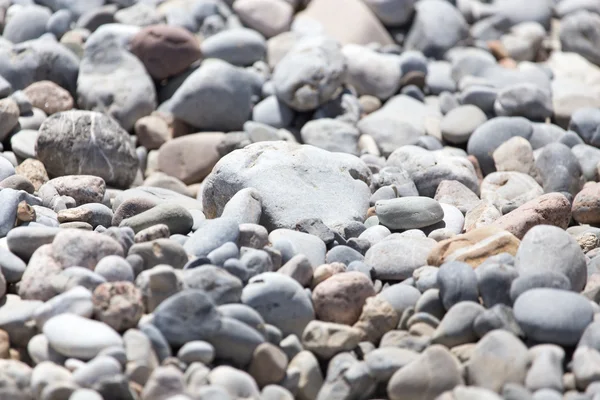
(165, 50)
(548, 209)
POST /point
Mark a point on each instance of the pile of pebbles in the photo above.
(295, 199)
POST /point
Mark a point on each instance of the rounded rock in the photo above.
(341, 298)
(553, 316)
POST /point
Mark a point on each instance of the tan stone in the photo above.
(326, 271)
(483, 214)
(378, 317)
(326, 339)
(49, 97)
(34, 171)
(268, 364)
(586, 205)
(348, 21)
(474, 247)
(190, 158)
(548, 209)
(152, 131)
(341, 298)
(4, 345)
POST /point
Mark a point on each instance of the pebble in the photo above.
(408, 212)
(545, 248)
(453, 126)
(295, 309)
(456, 327)
(562, 324)
(410, 382)
(293, 206)
(153, 42)
(174, 216)
(196, 351)
(490, 135)
(549, 209)
(457, 282)
(397, 258)
(78, 337)
(268, 365)
(341, 298)
(116, 166)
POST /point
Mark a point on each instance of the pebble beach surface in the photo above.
(299, 199)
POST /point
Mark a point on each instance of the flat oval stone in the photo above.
(78, 337)
(553, 316)
(175, 217)
(409, 212)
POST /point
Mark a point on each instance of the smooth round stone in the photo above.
(196, 351)
(538, 279)
(28, 23)
(588, 157)
(524, 100)
(553, 316)
(12, 267)
(245, 314)
(559, 169)
(221, 286)
(268, 17)
(238, 384)
(78, 337)
(117, 165)
(458, 125)
(212, 234)
(408, 212)
(497, 359)
(494, 281)
(76, 301)
(235, 342)
(291, 243)
(186, 316)
(331, 135)
(157, 43)
(341, 298)
(457, 326)
(175, 217)
(397, 258)
(419, 377)
(23, 143)
(299, 88)
(457, 282)
(490, 135)
(215, 82)
(580, 33)
(585, 122)
(294, 308)
(428, 35)
(236, 46)
(273, 112)
(372, 73)
(549, 248)
(115, 269)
